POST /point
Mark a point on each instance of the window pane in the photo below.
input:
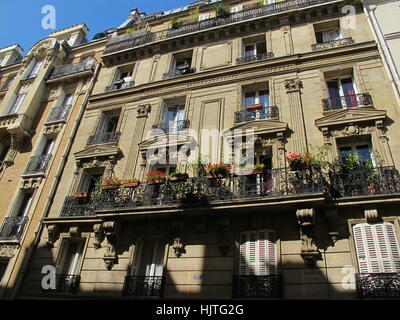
(264, 98)
(249, 98)
(25, 204)
(344, 152)
(363, 153)
(250, 50)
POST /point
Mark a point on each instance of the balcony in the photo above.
(38, 164)
(172, 126)
(346, 102)
(71, 70)
(178, 73)
(275, 183)
(106, 137)
(66, 283)
(77, 207)
(255, 58)
(378, 285)
(143, 286)
(364, 182)
(332, 44)
(125, 42)
(12, 228)
(120, 85)
(59, 114)
(245, 287)
(271, 112)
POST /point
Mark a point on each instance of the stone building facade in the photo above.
(220, 81)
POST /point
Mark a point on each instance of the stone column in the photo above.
(142, 115)
(299, 139)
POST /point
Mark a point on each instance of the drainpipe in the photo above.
(57, 178)
(387, 58)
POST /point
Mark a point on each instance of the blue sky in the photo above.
(21, 20)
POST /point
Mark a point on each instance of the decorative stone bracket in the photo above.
(53, 232)
(179, 245)
(332, 215)
(110, 257)
(98, 235)
(309, 251)
(371, 215)
(222, 232)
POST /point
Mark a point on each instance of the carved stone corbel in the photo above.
(309, 251)
(332, 215)
(110, 257)
(75, 232)
(98, 235)
(178, 245)
(223, 238)
(371, 215)
(16, 141)
(143, 110)
(52, 231)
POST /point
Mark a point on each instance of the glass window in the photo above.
(35, 69)
(17, 103)
(3, 268)
(73, 256)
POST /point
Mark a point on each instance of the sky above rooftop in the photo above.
(21, 20)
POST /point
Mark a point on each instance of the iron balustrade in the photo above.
(106, 137)
(332, 44)
(255, 58)
(178, 73)
(38, 164)
(65, 283)
(364, 181)
(257, 286)
(202, 190)
(74, 68)
(136, 39)
(378, 285)
(12, 228)
(349, 101)
(143, 286)
(172, 126)
(59, 114)
(271, 112)
(120, 85)
(77, 207)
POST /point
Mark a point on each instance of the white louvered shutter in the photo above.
(377, 248)
(257, 253)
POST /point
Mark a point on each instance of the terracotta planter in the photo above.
(181, 178)
(216, 176)
(81, 195)
(109, 186)
(254, 107)
(257, 171)
(156, 181)
(131, 184)
(373, 189)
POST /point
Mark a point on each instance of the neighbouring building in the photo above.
(150, 197)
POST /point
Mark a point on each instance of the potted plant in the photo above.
(81, 195)
(155, 177)
(222, 10)
(111, 183)
(254, 107)
(194, 15)
(299, 161)
(219, 170)
(258, 168)
(178, 177)
(175, 23)
(129, 183)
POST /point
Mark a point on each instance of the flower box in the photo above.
(109, 186)
(179, 178)
(131, 184)
(81, 195)
(156, 181)
(254, 107)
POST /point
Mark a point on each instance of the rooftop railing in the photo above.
(136, 39)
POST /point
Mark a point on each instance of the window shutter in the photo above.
(136, 258)
(272, 256)
(377, 248)
(243, 254)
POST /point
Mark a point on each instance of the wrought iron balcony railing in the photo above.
(12, 228)
(204, 190)
(120, 85)
(77, 207)
(271, 112)
(59, 114)
(178, 73)
(74, 68)
(38, 164)
(364, 181)
(255, 58)
(332, 44)
(65, 283)
(173, 126)
(257, 286)
(124, 42)
(378, 285)
(143, 286)
(104, 138)
(350, 101)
